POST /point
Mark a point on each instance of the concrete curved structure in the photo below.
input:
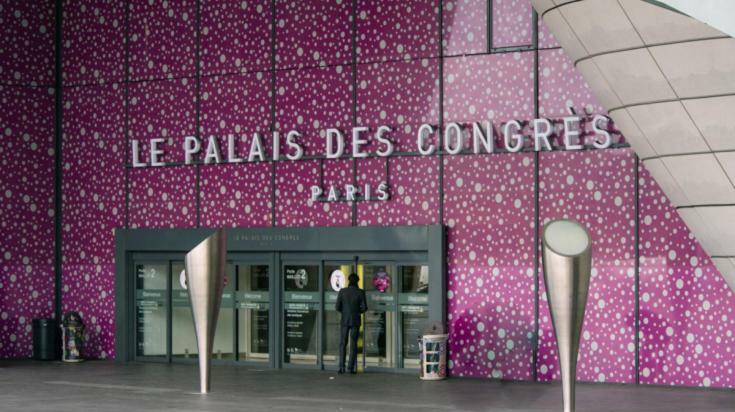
(668, 82)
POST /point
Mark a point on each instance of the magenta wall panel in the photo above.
(27, 42)
(596, 189)
(93, 145)
(497, 87)
(162, 39)
(403, 95)
(313, 33)
(546, 40)
(26, 145)
(687, 313)
(562, 86)
(465, 27)
(396, 30)
(27, 292)
(236, 195)
(238, 105)
(26, 214)
(293, 206)
(312, 100)
(489, 212)
(93, 195)
(512, 23)
(94, 41)
(162, 109)
(414, 198)
(90, 290)
(163, 197)
(235, 36)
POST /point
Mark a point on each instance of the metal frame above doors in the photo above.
(365, 240)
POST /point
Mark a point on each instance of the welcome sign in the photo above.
(475, 138)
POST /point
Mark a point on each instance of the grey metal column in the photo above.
(205, 279)
(567, 261)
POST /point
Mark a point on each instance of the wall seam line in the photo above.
(536, 200)
(58, 166)
(198, 107)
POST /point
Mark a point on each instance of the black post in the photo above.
(58, 107)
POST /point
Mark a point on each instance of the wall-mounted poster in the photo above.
(381, 281)
(337, 280)
(300, 330)
(302, 278)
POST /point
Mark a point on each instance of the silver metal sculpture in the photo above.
(205, 279)
(567, 261)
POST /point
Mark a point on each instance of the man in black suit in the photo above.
(351, 303)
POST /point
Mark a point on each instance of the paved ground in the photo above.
(107, 386)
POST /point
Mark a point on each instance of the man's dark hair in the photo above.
(353, 279)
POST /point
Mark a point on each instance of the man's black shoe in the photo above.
(353, 372)
(341, 371)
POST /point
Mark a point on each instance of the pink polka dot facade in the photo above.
(236, 196)
(162, 39)
(26, 43)
(396, 30)
(312, 100)
(498, 87)
(294, 209)
(687, 313)
(313, 33)
(489, 213)
(512, 23)
(465, 27)
(403, 95)
(87, 26)
(561, 87)
(596, 189)
(161, 109)
(224, 48)
(26, 214)
(414, 192)
(163, 197)
(234, 68)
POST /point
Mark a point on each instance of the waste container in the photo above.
(72, 337)
(433, 353)
(45, 339)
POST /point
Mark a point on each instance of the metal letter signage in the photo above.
(567, 262)
(484, 137)
(205, 278)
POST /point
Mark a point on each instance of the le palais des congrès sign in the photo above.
(513, 136)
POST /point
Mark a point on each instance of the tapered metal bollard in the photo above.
(567, 261)
(205, 279)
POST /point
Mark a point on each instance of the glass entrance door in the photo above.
(413, 300)
(253, 311)
(164, 323)
(335, 278)
(380, 319)
(151, 309)
(183, 339)
(301, 310)
(396, 288)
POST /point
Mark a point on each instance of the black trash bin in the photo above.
(45, 339)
